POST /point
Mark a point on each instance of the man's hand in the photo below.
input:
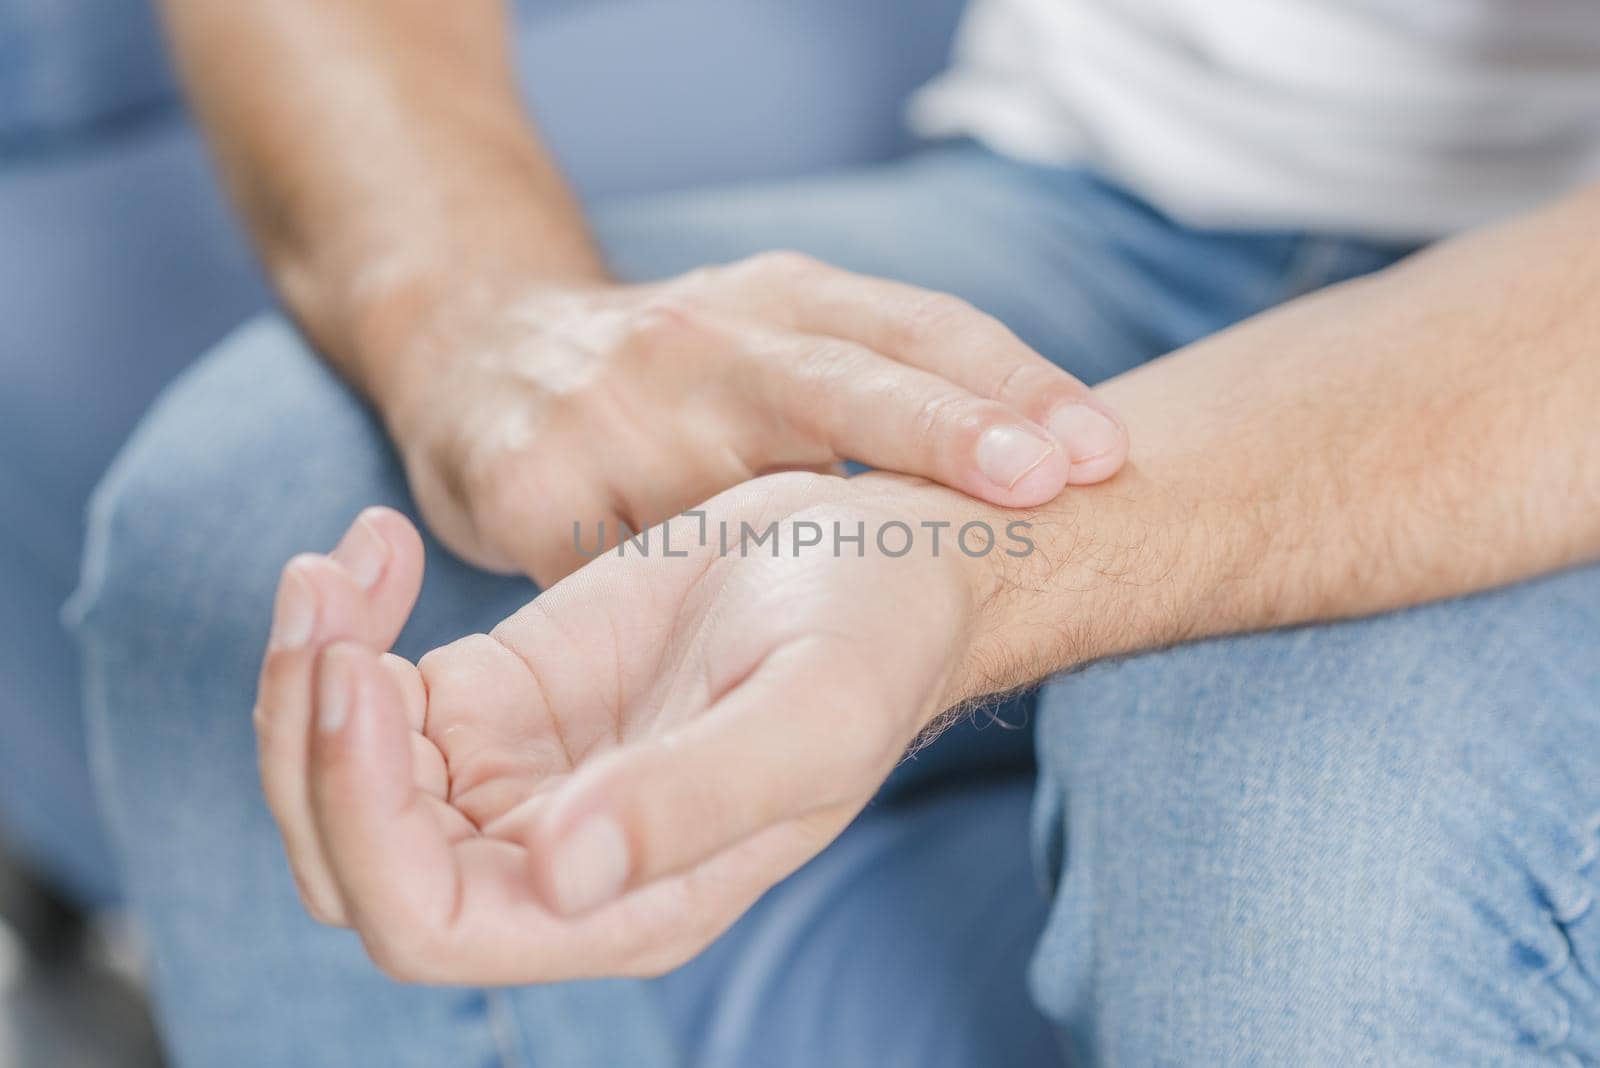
(622, 768)
(617, 772)
(426, 243)
(521, 409)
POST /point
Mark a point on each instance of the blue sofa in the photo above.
(119, 261)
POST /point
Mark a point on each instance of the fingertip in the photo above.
(379, 564)
(395, 528)
(586, 866)
(380, 540)
(339, 609)
(295, 609)
(580, 856)
(1097, 469)
(1094, 438)
(1042, 484)
(363, 552)
(1009, 454)
(1019, 465)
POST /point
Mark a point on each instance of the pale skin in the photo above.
(613, 776)
(424, 240)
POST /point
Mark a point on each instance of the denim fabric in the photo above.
(1370, 843)
(70, 64)
(119, 263)
(115, 270)
(632, 94)
(1226, 827)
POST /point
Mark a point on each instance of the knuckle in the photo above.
(823, 373)
(940, 417)
(931, 317)
(456, 665)
(664, 325)
(435, 666)
(1034, 384)
(1020, 380)
(828, 365)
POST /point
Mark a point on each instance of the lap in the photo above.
(901, 946)
(260, 452)
(1091, 277)
(1374, 841)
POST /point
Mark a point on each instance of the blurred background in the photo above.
(119, 264)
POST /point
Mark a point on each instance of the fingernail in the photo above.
(295, 614)
(1084, 432)
(1006, 453)
(363, 553)
(590, 866)
(333, 693)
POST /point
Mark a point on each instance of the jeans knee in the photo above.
(1392, 820)
(256, 452)
(1399, 709)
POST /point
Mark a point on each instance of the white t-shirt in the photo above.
(1389, 118)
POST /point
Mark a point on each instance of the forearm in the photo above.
(374, 148)
(1422, 433)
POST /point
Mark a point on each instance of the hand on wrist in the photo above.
(1105, 571)
(522, 404)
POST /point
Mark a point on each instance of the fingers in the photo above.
(765, 755)
(947, 337)
(385, 845)
(901, 418)
(363, 593)
(435, 906)
(382, 553)
(438, 905)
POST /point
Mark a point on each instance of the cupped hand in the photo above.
(523, 409)
(612, 776)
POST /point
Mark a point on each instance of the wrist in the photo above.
(367, 272)
(396, 321)
(1113, 569)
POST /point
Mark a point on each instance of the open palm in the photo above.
(612, 776)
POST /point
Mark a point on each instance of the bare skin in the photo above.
(426, 243)
(616, 773)
(1426, 432)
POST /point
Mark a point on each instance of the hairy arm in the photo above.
(371, 145)
(1422, 433)
(428, 246)
(1425, 432)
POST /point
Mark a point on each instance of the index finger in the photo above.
(946, 336)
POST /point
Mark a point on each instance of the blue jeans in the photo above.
(1371, 842)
